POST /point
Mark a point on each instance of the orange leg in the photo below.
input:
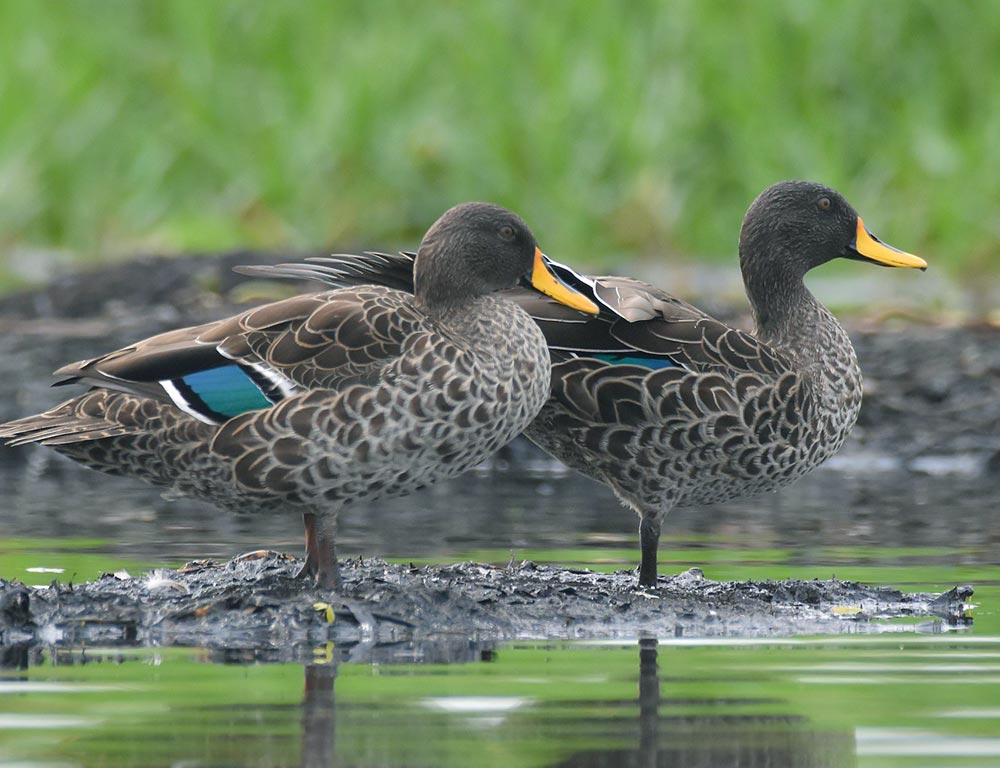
(321, 555)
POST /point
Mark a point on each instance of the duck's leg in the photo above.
(327, 568)
(309, 566)
(649, 541)
(321, 554)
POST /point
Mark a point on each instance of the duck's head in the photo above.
(794, 226)
(479, 248)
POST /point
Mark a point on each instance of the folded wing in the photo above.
(255, 359)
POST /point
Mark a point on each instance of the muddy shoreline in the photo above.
(254, 602)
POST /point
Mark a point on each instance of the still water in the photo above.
(917, 695)
(907, 700)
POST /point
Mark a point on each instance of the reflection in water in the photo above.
(319, 706)
(649, 701)
(16, 656)
(319, 701)
(692, 705)
(711, 740)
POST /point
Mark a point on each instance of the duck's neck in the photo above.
(450, 311)
(782, 306)
(789, 318)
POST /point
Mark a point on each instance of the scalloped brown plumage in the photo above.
(734, 413)
(326, 399)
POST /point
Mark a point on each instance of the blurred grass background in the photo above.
(620, 131)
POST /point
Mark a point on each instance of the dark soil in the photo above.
(254, 602)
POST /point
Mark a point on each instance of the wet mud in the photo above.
(254, 602)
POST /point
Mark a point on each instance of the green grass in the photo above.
(620, 131)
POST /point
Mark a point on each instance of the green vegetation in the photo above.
(619, 130)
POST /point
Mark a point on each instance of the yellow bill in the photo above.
(868, 247)
(543, 280)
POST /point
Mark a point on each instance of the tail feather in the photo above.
(69, 422)
(345, 270)
(126, 434)
(66, 434)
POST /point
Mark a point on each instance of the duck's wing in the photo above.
(638, 324)
(565, 329)
(255, 359)
(672, 361)
(654, 325)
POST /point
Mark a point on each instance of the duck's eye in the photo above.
(507, 232)
(824, 203)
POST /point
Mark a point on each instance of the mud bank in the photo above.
(254, 602)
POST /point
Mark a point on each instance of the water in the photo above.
(906, 700)
(859, 510)
(924, 695)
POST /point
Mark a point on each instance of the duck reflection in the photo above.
(319, 698)
(710, 739)
(318, 716)
(668, 731)
(16, 657)
(649, 701)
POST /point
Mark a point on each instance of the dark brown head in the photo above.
(479, 248)
(794, 226)
(790, 228)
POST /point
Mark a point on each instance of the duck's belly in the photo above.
(660, 477)
(412, 452)
(759, 444)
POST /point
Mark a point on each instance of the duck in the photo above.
(327, 399)
(668, 406)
